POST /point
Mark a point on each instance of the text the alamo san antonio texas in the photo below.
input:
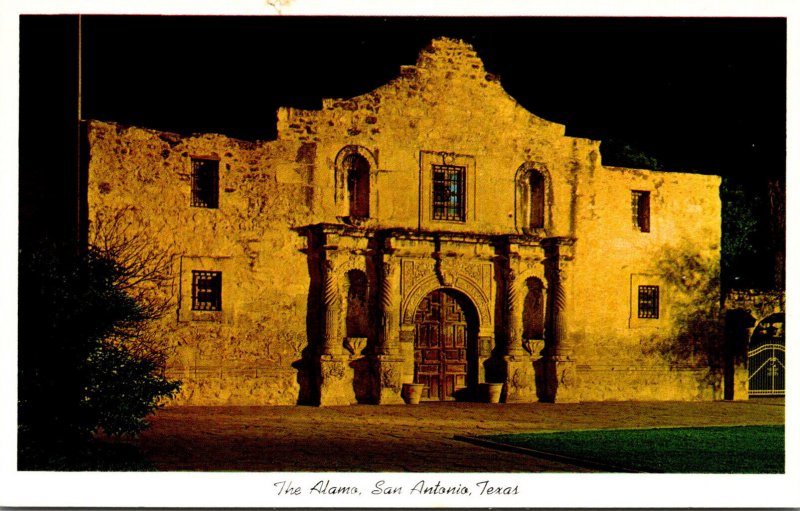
(430, 231)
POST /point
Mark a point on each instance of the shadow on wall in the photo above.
(738, 325)
(308, 369)
(698, 338)
(365, 380)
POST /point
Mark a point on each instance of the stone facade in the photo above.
(322, 249)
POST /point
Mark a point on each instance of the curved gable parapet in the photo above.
(448, 73)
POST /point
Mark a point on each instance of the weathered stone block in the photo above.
(336, 382)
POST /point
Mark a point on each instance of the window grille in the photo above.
(205, 183)
(206, 290)
(648, 302)
(640, 205)
(448, 193)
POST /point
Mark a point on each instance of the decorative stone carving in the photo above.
(332, 303)
(336, 387)
(513, 314)
(354, 344)
(520, 380)
(431, 283)
(390, 379)
(534, 347)
(389, 375)
(414, 271)
(389, 323)
(473, 271)
(346, 261)
(445, 276)
(561, 343)
(478, 273)
(333, 371)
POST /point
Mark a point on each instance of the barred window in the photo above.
(640, 205)
(205, 183)
(206, 290)
(648, 302)
(448, 193)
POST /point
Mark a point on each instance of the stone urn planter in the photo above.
(412, 392)
(490, 392)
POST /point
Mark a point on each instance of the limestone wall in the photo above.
(619, 355)
(243, 354)
(449, 108)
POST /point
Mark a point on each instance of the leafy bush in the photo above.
(81, 367)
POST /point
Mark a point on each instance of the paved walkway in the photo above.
(403, 438)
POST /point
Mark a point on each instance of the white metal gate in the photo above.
(766, 359)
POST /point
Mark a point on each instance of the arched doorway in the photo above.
(766, 358)
(445, 345)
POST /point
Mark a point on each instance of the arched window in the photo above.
(536, 200)
(531, 197)
(533, 310)
(357, 319)
(355, 176)
(356, 169)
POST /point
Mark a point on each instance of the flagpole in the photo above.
(80, 66)
(79, 185)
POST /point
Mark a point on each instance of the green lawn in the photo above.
(739, 449)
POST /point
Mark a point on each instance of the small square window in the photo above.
(205, 183)
(648, 302)
(206, 290)
(640, 205)
(448, 193)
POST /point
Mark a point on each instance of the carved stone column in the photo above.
(336, 375)
(388, 362)
(562, 381)
(561, 342)
(513, 314)
(520, 375)
(389, 324)
(332, 305)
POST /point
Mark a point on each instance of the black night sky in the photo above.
(700, 94)
(703, 94)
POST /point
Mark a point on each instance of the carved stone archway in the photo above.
(458, 282)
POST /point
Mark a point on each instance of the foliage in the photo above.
(753, 219)
(140, 271)
(776, 192)
(753, 233)
(739, 229)
(694, 288)
(86, 360)
(624, 154)
(738, 449)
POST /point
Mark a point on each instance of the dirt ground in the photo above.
(402, 438)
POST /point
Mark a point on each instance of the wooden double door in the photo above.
(444, 344)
